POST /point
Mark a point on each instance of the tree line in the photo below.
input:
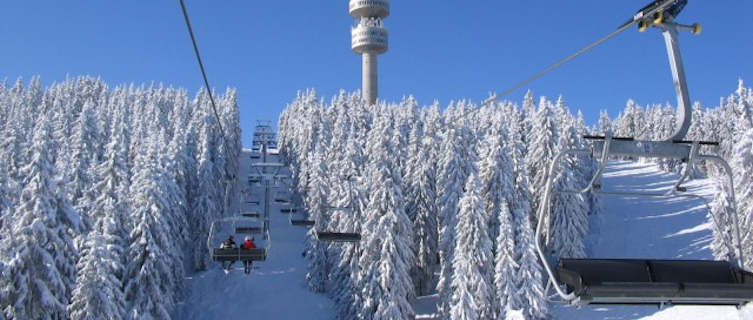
(446, 198)
(106, 195)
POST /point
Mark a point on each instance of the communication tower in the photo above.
(369, 38)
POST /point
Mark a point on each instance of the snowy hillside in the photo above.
(275, 289)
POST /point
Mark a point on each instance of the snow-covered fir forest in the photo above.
(106, 195)
(445, 197)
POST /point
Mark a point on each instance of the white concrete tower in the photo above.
(369, 38)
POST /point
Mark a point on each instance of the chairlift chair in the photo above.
(288, 210)
(644, 281)
(302, 222)
(235, 254)
(649, 281)
(251, 215)
(338, 236)
(297, 221)
(330, 236)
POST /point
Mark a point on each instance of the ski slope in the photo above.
(275, 289)
(642, 227)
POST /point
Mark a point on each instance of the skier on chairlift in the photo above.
(248, 244)
(228, 244)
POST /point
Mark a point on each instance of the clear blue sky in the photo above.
(440, 50)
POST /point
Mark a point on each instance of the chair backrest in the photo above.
(692, 271)
(596, 271)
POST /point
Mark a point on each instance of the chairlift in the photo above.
(235, 254)
(297, 221)
(288, 210)
(251, 215)
(648, 281)
(330, 236)
(282, 197)
(338, 236)
(302, 222)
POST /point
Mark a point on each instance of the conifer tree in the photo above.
(99, 286)
(541, 150)
(472, 262)
(450, 181)
(529, 275)
(41, 268)
(387, 235)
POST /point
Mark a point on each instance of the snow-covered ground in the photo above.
(275, 289)
(641, 228)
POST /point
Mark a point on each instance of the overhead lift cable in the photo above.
(228, 177)
(201, 66)
(660, 6)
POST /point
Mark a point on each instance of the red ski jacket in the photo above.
(248, 244)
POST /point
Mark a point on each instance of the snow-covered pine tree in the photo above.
(98, 293)
(569, 211)
(473, 292)
(605, 123)
(40, 271)
(99, 287)
(450, 181)
(205, 198)
(505, 264)
(495, 177)
(153, 254)
(317, 208)
(541, 150)
(742, 164)
(422, 195)
(530, 291)
(82, 150)
(388, 254)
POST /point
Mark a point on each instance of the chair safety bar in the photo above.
(654, 149)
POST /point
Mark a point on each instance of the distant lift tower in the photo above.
(369, 38)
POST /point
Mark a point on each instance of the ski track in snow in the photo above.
(275, 289)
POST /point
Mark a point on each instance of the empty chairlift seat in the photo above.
(302, 222)
(238, 254)
(633, 281)
(288, 210)
(251, 215)
(338, 236)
